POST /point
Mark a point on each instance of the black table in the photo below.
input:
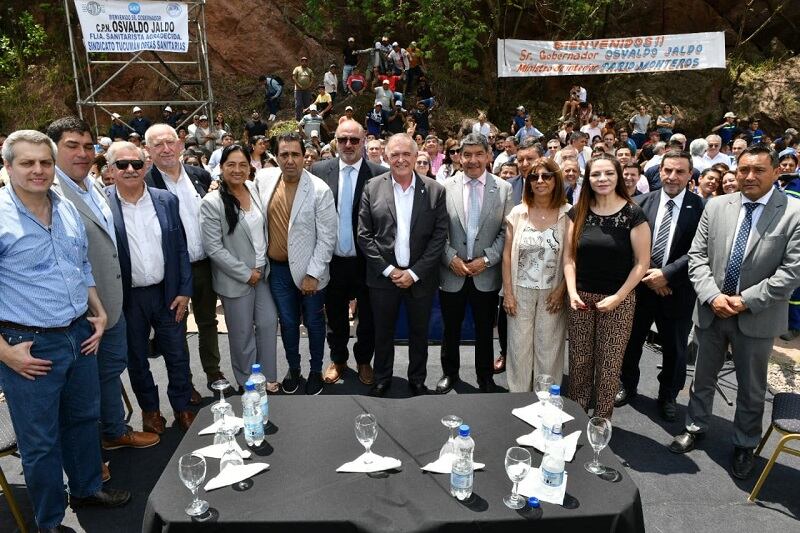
(313, 435)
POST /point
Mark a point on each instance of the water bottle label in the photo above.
(461, 481)
(265, 408)
(552, 479)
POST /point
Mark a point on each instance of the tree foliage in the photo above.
(22, 41)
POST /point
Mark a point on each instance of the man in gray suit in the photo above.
(744, 263)
(302, 227)
(74, 158)
(477, 205)
(402, 228)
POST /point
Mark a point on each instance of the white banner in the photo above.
(114, 26)
(625, 55)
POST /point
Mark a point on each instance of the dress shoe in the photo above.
(132, 439)
(334, 372)
(314, 383)
(667, 409)
(790, 335)
(623, 396)
(101, 498)
(500, 365)
(742, 462)
(195, 399)
(488, 385)
(105, 473)
(445, 385)
(211, 378)
(153, 422)
(365, 374)
(184, 419)
(379, 390)
(684, 442)
(418, 389)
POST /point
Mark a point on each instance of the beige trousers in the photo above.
(535, 340)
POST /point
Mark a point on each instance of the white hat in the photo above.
(133, 134)
(395, 44)
(348, 108)
(202, 117)
(115, 115)
(385, 82)
(314, 133)
(312, 107)
(378, 102)
(136, 109)
(351, 39)
(104, 141)
(730, 114)
(168, 108)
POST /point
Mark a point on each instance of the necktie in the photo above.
(346, 211)
(660, 246)
(473, 216)
(737, 253)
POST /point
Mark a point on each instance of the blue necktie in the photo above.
(473, 216)
(737, 254)
(346, 211)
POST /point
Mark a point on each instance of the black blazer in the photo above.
(177, 269)
(676, 270)
(199, 176)
(377, 229)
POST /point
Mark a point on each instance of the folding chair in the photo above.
(786, 421)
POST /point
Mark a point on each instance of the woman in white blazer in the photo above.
(235, 238)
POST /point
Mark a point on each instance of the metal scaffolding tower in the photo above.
(188, 73)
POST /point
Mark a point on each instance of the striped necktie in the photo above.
(660, 246)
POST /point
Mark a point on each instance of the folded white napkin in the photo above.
(532, 486)
(444, 465)
(229, 420)
(378, 464)
(532, 414)
(215, 451)
(536, 439)
(234, 474)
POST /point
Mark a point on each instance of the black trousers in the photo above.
(347, 282)
(674, 335)
(454, 306)
(386, 303)
(502, 327)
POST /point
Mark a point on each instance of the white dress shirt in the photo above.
(662, 209)
(756, 215)
(353, 180)
(144, 240)
(707, 162)
(189, 208)
(403, 205)
(255, 221)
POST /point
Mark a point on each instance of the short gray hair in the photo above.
(157, 128)
(28, 136)
(111, 153)
(698, 147)
(474, 139)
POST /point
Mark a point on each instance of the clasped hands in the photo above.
(725, 306)
(462, 269)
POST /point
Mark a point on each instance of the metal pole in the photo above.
(74, 64)
(204, 49)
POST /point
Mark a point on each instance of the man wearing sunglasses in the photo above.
(346, 176)
(156, 284)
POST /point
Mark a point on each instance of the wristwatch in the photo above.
(486, 260)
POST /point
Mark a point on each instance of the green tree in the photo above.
(22, 41)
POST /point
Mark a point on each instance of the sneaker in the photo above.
(314, 384)
(291, 381)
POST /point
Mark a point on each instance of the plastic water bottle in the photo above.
(551, 419)
(552, 468)
(260, 381)
(461, 475)
(253, 421)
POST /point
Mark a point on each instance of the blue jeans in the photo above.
(639, 139)
(112, 359)
(290, 302)
(346, 71)
(55, 419)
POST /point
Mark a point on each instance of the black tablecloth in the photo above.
(313, 435)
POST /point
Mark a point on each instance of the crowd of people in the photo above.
(591, 232)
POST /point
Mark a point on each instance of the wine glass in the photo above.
(222, 408)
(231, 456)
(598, 432)
(542, 386)
(518, 464)
(192, 470)
(451, 422)
(366, 432)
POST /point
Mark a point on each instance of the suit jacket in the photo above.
(770, 269)
(377, 229)
(102, 256)
(177, 268)
(313, 224)
(676, 270)
(233, 256)
(497, 203)
(200, 177)
(328, 171)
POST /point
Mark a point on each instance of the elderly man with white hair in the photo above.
(713, 154)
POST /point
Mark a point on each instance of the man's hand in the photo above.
(255, 277)
(476, 266)
(737, 303)
(309, 285)
(663, 291)
(401, 278)
(458, 267)
(654, 279)
(723, 307)
(180, 305)
(92, 344)
(20, 360)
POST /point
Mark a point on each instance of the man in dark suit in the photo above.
(402, 229)
(189, 184)
(156, 283)
(346, 175)
(665, 295)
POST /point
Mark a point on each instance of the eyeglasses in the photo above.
(452, 151)
(713, 145)
(351, 140)
(423, 163)
(544, 176)
(122, 164)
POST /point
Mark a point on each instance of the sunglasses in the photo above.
(122, 164)
(452, 151)
(423, 163)
(544, 176)
(351, 140)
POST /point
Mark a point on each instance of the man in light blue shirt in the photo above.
(47, 291)
(528, 131)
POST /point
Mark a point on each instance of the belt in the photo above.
(36, 329)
